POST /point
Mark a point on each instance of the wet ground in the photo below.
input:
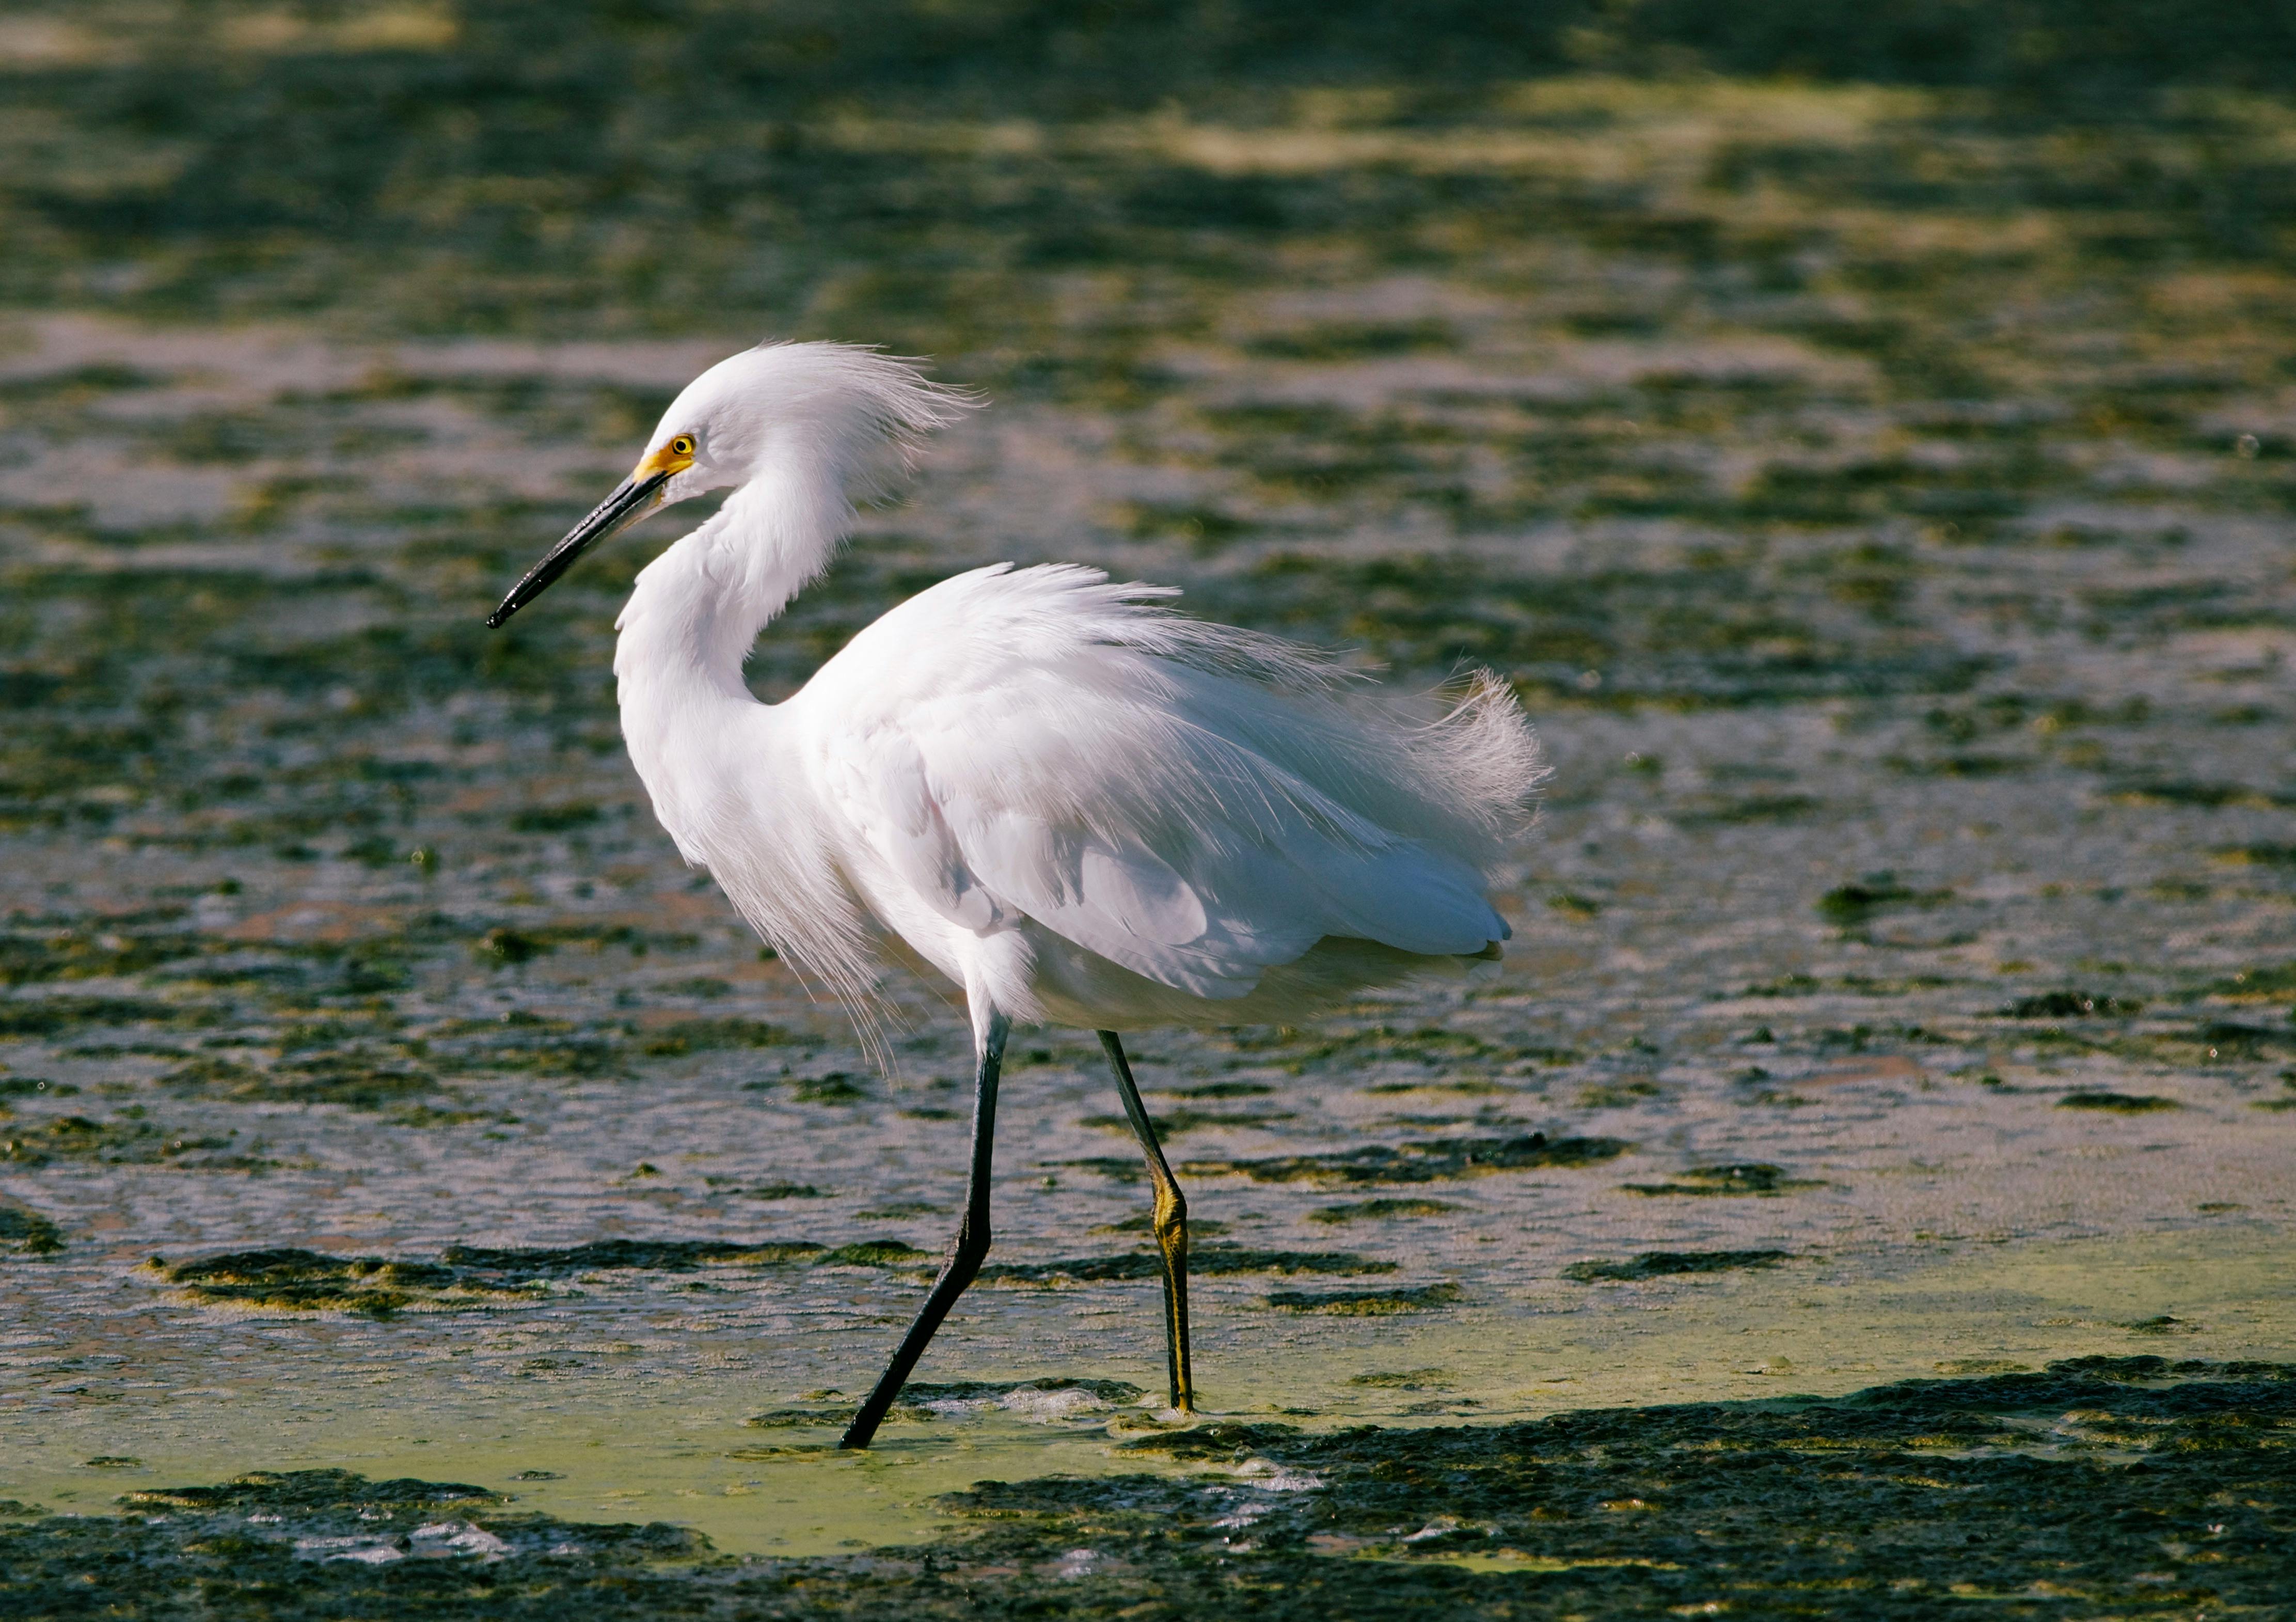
(2116, 1487)
(1882, 507)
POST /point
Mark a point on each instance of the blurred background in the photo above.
(1836, 297)
(1865, 435)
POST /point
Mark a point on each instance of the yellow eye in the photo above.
(683, 445)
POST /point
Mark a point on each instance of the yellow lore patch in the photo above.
(674, 455)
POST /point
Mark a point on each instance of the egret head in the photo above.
(833, 411)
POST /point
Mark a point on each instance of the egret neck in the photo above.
(710, 754)
(695, 612)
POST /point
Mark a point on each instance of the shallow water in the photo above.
(630, 1436)
(1897, 573)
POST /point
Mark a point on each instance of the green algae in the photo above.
(283, 1542)
(1217, 1441)
(294, 1280)
(1405, 1380)
(28, 1232)
(659, 1256)
(1436, 1047)
(1210, 1261)
(874, 1253)
(28, 957)
(929, 1392)
(837, 1087)
(427, 1115)
(714, 1035)
(2118, 1103)
(2265, 984)
(553, 819)
(1470, 1087)
(508, 947)
(1904, 1501)
(52, 1015)
(1854, 905)
(1378, 1210)
(1367, 1302)
(1172, 1123)
(1751, 809)
(2207, 797)
(316, 1491)
(2262, 853)
(2070, 1005)
(1616, 1095)
(1744, 1177)
(787, 1419)
(1671, 1264)
(2233, 1040)
(345, 1077)
(1429, 1161)
(123, 1141)
(1214, 1089)
(301, 1280)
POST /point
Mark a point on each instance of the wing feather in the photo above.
(1017, 744)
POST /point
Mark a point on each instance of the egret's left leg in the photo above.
(964, 1257)
(1171, 1220)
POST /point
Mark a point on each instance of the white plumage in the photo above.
(1049, 788)
(1072, 802)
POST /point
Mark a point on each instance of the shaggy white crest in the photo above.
(1063, 797)
(852, 417)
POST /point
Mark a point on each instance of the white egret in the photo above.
(1071, 803)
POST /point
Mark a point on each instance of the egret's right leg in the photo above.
(964, 1257)
(1171, 1220)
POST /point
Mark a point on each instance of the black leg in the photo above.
(1171, 1229)
(965, 1258)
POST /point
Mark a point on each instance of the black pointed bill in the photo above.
(632, 499)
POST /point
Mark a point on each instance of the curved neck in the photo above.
(695, 610)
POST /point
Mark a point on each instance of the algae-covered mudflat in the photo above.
(1864, 1191)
